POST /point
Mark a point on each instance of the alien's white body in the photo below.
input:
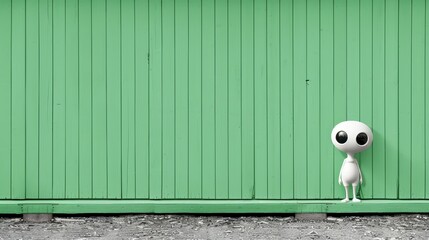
(351, 137)
(350, 172)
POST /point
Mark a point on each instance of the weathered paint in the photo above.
(210, 99)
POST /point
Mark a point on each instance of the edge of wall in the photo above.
(211, 206)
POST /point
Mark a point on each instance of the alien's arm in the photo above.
(339, 176)
(360, 173)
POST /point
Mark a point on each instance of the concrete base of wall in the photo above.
(311, 216)
(37, 217)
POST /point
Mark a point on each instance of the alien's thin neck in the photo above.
(350, 155)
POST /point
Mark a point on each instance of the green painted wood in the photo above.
(128, 99)
(155, 99)
(260, 92)
(208, 100)
(326, 98)
(18, 106)
(340, 81)
(352, 60)
(378, 84)
(300, 104)
(426, 103)
(286, 100)
(181, 98)
(85, 101)
(313, 100)
(211, 206)
(366, 92)
(46, 100)
(273, 99)
(168, 88)
(142, 102)
(194, 99)
(234, 100)
(418, 96)
(404, 96)
(216, 99)
(99, 106)
(32, 100)
(59, 100)
(247, 102)
(72, 100)
(113, 94)
(5, 98)
(221, 98)
(391, 95)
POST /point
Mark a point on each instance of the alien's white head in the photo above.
(351, 137)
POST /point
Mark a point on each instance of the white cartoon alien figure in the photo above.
(351, 137)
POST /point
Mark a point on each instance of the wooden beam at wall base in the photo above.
(211, 206)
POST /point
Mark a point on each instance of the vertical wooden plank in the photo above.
(208, 97)
(260, 74)
(379, 179)
(313, 98)
(391, 122)
(221, 89)
(155, 99)
(85, 99)
(366, 92)
(128, 99)
(72, 99)
(426, 99)
(405, 98)
(247, 99)
(286, 98)
(18, 100)
(234, 99)
(168, 85)
(328, 178)
(300, 99)
(99, 171)
(195, 98)
(113, 88)
(46, 99)
(353, 64)
(142, 98)
(5, 97)
(32, 100)
(273, 98)
(59, 89)
(181, 66)
(417, 98)
(340, 81)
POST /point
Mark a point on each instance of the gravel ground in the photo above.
(217, 227)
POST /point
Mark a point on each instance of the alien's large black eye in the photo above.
(362, 138)
(341, 137)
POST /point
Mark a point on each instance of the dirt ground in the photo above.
(217, 227)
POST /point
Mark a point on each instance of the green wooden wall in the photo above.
(210, 99)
